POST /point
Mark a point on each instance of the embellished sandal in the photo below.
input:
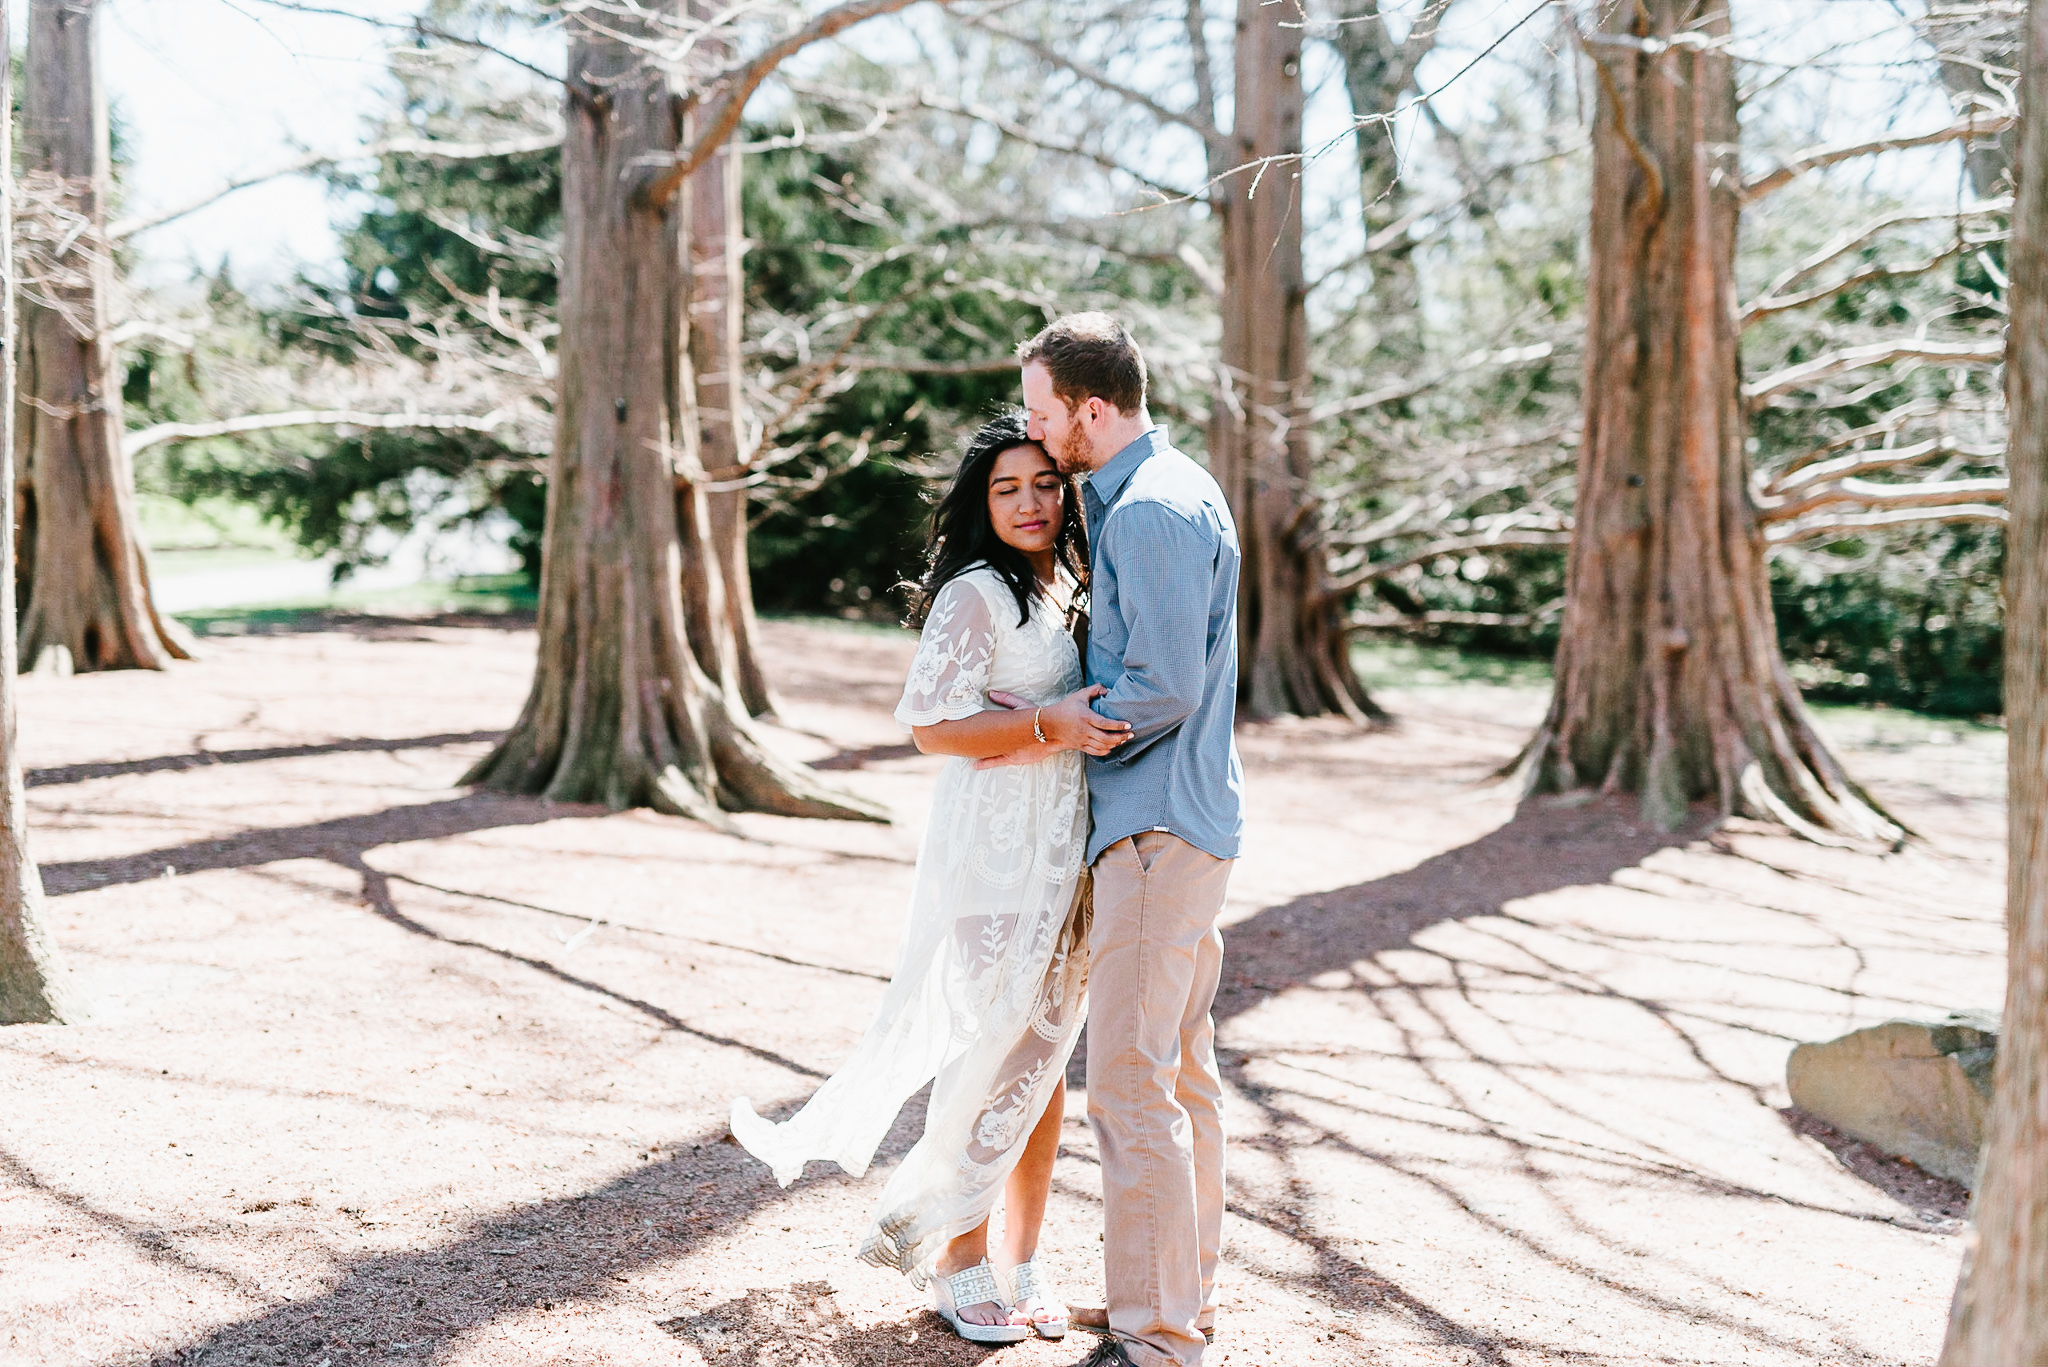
(975, 1285)
(1040, 1299)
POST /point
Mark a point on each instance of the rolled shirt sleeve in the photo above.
(1167, 625)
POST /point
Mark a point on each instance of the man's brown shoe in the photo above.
(1095, 1319)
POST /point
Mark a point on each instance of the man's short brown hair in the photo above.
(1090, 355)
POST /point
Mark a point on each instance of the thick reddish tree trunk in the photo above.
(33, 984)
(1670, 682)
(1294, 650)
(85, 592)
(621, 712)
(2000, 1314)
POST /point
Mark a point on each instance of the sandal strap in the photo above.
(975, 1286)
(1033, 1283)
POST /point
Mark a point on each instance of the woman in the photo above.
(987, 999)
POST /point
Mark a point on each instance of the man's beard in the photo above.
(1075, 452)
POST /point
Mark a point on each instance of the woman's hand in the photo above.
(1072, 724)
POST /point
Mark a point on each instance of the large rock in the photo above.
(1916, 1089)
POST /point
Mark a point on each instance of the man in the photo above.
(1168, 810)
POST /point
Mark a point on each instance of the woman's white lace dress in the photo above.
(988, 995)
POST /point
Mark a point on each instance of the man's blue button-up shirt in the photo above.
(1162, 638)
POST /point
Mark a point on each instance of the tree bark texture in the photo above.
(85, 600)
(33, 985)
(621, 713)
(1295, 653)
(1669, 680)
(716, 247)
(2000, 1314)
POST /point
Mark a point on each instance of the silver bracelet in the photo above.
(1036, 729)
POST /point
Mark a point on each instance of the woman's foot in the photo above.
(972, 1301)
(1039, 1303)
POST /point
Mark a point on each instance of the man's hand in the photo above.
(1069, 724)
(1030, 754)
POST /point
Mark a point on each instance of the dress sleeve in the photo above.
(949, 678)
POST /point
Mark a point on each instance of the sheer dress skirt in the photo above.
(989, 993)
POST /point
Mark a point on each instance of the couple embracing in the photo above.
(1054, 889)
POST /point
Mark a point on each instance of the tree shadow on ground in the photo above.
(1548, 845)
(418, 1303)
(1309, 941)
(200, 759)
(415, 1303)
(802, 1324)
(375, 626)
(1937, 1200)
(342, 840)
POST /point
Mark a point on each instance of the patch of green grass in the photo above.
(1388, 662)
(1877, 727)
(171, 526)
(864, 626)
(228, 556)
(483, 595)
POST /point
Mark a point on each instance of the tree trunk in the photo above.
(716, 247)
(33, 985)
(1291, 632)
(1670, 682)
(620, 712)
(1376, 72)
(2000, 1315)
(1983, 35)
(85, 599)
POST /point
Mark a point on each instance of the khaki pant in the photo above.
(1153, 1092)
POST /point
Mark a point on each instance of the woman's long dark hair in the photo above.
(963, 536)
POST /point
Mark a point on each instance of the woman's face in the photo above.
(1025, 498)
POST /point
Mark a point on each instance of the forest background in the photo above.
(922, 194)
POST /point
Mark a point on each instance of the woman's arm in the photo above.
(1068, 725)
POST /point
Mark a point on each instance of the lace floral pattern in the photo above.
(990, 990)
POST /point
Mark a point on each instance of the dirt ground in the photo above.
(384, 1071)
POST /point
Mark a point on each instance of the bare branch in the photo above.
(734, 92)
(1193, 120)
(1875, 460)
(410, 146)
(419, 27)
(1830, 364)
(1849, 524)
(1858, 493)
(915, 366)
(1519, 539)
(1816, 158)
(1408, 389)
(1772, 303)
(1015, 131)
(1889, 425)
(1850, 241)
(1423, 621)
(143, 438)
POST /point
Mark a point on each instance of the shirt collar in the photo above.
(1116, 472)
